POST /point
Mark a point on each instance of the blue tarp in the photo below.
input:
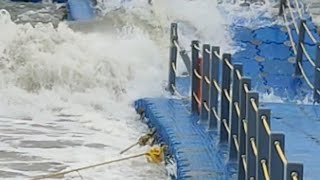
(80, 10)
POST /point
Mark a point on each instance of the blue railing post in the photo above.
(294, 170)
(225, 98)
(233, 138)
(242, 135)
(194, 58)
(282, 3)
(263, 138)
(214, 76)
(251, 117)
(316, 92)
(204, 113)
(173, 57)
(276, 166)
(302, 32)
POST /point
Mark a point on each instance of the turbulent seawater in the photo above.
(313, 7)
(67, 88)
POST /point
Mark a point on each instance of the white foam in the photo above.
(96, 75)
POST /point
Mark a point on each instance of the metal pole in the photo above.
(294, 169)
(173, 57)
(242, 136)
(225, 93)
(233, 154)
(282, 3)
(276, 166)
(251, 118)
(263, 138)
(194, 57)
(299, 47)
(205, 83)
(316, 91)
(214, 76)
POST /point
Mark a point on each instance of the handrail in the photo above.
(299, 47)
(243, 125)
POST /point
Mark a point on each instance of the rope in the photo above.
(265, 169)
(196, 98)
(208, 51)
(206, 106)
(174, 68)
(298, 9)
(226, 126)
(227, 95)
(236, 104)
(197, 74)
(156, 154)
(309, 33)
(238, 74)
(293, 45)
(280, 152)
(235, 140)
(176, 92)
(254, 147)
(207, 80)
(86, 167)
(246, 89)
(215, 114)
(244, 162)
(293, 20)
(128, 148)
(245, 127)
(254, 105)
(305, 76)
(142, 141)
(228, 64)
(305, 52)
(216, 85)
(218, 55)
(266, 125)
(177, 45)
(197, 47)
(294, 175)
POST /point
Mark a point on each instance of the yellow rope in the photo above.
(266, 125)
(294, 176)
(265, 169)
(128, 148)
(155, 155)
(236, 104)
(254, 147)
(86, 167)
(143, 140)
(280, 152)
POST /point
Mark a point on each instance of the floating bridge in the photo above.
(215, 123)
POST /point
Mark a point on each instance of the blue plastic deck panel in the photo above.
(195, 150)
(80, 10)
(301, 126)
(269, 60)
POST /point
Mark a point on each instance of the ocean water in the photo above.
(67, 88)
(314, 9)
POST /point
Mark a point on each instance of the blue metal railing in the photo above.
(242, 124)
(287, 7)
